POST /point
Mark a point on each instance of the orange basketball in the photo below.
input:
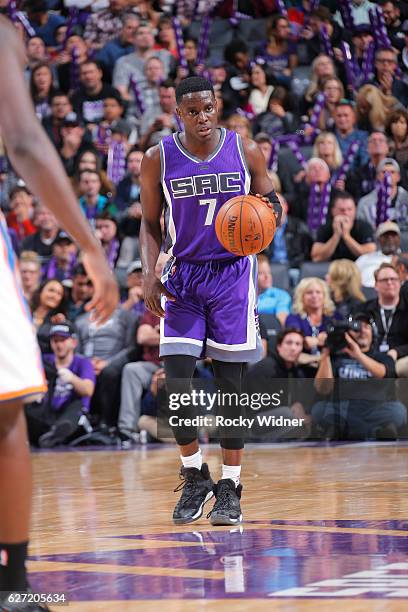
(245, 225)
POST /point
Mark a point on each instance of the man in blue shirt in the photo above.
(43, 22)
(271, 300)
(120, 46)
(345, 130)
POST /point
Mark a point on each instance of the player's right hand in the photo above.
(153, 290)
(106, 295)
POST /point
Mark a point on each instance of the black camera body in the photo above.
(336, 334)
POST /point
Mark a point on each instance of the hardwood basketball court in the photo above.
(326, 528)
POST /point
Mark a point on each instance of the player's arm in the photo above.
(151, 199)
(35, 159)
(260, 181)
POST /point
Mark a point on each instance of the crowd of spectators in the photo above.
(323, 90)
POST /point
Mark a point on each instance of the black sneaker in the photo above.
(197, 489)
(57, 434)
(227, 509)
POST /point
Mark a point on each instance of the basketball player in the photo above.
(21, 376)
(207, 297)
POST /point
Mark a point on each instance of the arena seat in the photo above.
(280, 275)
(314, 268)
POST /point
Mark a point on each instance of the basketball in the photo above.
(245, 225)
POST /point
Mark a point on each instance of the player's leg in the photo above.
(197, 485)
(15, 496)
(227, 507)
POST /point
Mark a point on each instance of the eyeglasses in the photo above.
(389, 279)
(386, 61)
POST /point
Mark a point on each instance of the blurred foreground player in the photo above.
(207, 297)
(21, 376)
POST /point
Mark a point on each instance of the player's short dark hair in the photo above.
(192, 85)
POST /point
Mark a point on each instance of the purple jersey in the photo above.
(195, 190)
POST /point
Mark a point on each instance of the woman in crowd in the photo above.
(41, 89)
(313, 310)
(397, 130)
(373, 108)
(333, 89)
(88, 159)
(327, 148)
(279, 51)
(322, 68)
(166, 38)
(277, 120)
(261, 88)
(239, 124)
(344, 281)
(65, 67)
(48, 305)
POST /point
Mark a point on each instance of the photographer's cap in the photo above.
(361, 316)
(387, 226)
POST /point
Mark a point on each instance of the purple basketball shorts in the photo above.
(215, 313)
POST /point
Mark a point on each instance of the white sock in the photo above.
(193, 461)
(231, 471)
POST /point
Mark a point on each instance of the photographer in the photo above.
(363, 410)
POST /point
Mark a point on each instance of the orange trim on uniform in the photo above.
(28, 391)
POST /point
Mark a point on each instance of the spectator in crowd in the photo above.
(327, 148)
(277, 119)
(362, 180)
(161, 121)
(282, 363)
(106, 230)
(48, 305)
(87, 101)
(398, 210)
(360, 12)
(312, 310)
(388, 237)
(190, 52)
(397, 130)
(88, 159)
(60, 106)
(154, 73)
(317, 173)
(132, 65)
(346, 132)
(135, 297)
(119, 46)
(344, 236)
(128, 190)
(165, 37)
(137, 376)
(320, 18)
(261, 88)
(35, 53)
(389, 311)
(279, 51)
(271, 300)
(362, 36)
(292, 242)
(150, 405)
(333, 89)
(109, 347)
(240, 124)
(105, 25)
(322, 68)
(235, 87)
(58, 417)
(30, 272)
(63, 260)
(113, 111)
(43, 21)
(66, 68)
(92, 202)
(368, 411)
(80, 293)
(42, 241)
(42, 89)
(21, 212)
(373, 108)
(386, 79)
(344, 281)
(392, 14)
(72, 134)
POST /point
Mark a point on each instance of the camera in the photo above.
(336, 334)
